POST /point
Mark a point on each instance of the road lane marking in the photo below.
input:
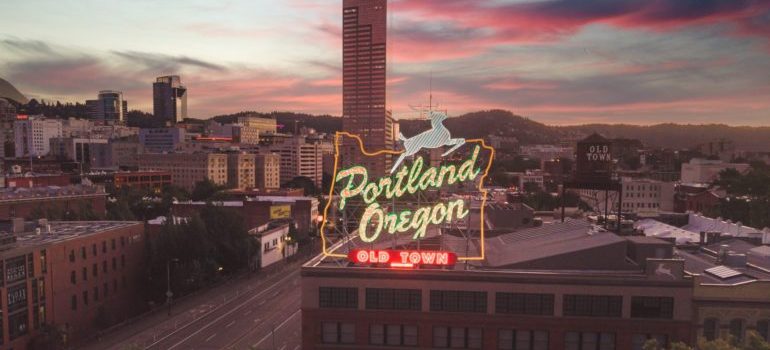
(261, 302)
(222, 316)
(256, 320)
(211, 336)
(277, 328)
(247, 312)
(230, 324)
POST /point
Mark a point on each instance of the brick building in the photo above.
(67, 201)
(68, 275)
(536, 289)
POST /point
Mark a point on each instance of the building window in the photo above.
(511, 339)
(104, 266)
(106, 289)
(114, 264)
(85, 297)
(83, 252)
(85, 274)
(457, 337)
(96, 293)
(638, 341)
(72, 255)
(93, 249)
(73, 277)
(593, 305)
(104, 246)
(43, 261)
(393, 334)
(589, 341)
(737, 329)
(710, 328)
(458, 301)
(114, 246)
(122, 241)
(524, 304)
(122, 261)
(652, 307)
(338, 297)
(763, 328)
(337, 333)
(94, 270)
(393, 299)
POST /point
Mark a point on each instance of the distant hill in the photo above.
(527, 131)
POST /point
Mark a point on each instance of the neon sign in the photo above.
(355, 184)
(402, 258)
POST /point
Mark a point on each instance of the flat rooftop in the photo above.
(60, 231)
(23, 193)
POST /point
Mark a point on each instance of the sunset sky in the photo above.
(556, 61)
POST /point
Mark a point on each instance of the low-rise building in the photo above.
(546, 152)
(75, 276)
(187, 169)
(274, 244)
(73, 201)
(148, 180)
(700, 170)
(559, 286)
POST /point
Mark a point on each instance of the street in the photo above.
(259, 312)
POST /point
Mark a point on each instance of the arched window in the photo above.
(763, 328)
(737, 328)
(710, 328)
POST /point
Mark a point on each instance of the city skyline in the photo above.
(557, 62)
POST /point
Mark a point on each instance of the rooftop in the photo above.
(18, 193)
(61, 231)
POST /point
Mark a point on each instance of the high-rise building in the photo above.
(169, 98)
(7, 118)
(364, 29)
(33, 135)
(300, 158)
(109, 107)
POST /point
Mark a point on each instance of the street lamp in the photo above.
(169, 294)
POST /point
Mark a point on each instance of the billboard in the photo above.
(417, 200)
(280, 211)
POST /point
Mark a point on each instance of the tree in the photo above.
(205, 190)
(303, 182)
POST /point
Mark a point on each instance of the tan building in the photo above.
(240, 170)
(188, 168)
(300, 158)
(268, 170)
(732, 280)
(264, 125)
(246, 134)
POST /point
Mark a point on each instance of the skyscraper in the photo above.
(169, 99)
(109, 107)
(364, 30)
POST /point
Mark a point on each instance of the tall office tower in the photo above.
(33, 134)
(364, 28)
(169, 99)
(7, 118)
(109, 107)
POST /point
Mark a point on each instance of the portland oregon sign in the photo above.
(429, 203)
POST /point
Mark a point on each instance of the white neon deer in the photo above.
(437, 136)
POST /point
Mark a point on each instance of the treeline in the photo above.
(748, 195)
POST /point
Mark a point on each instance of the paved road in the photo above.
(261, 312)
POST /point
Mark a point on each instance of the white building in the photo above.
(700, 170)
(33, 135)
(300, 158)
(547, 152)
(274, 245)
(644, 197)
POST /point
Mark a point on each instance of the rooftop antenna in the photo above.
(430, 92)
